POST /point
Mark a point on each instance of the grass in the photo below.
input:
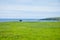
(29, 30)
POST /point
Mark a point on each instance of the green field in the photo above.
(29, 30)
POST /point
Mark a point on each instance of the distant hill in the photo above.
(53, 18)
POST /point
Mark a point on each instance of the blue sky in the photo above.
(29, 8)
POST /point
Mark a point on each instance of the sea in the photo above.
(26, 20)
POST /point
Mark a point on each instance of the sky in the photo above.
(29, 8)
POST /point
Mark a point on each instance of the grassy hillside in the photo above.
(29, 30)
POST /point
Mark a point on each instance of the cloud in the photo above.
(30, 8)
(54, 4)
(29, 15)
(18, 15)
(22, 8)
(23, 1)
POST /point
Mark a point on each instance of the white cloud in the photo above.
(28, 15)
(23, 1)
(17, 15)
(31, 8)
(8, 10)
(54, 4)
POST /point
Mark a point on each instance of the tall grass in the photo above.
(29, 30)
